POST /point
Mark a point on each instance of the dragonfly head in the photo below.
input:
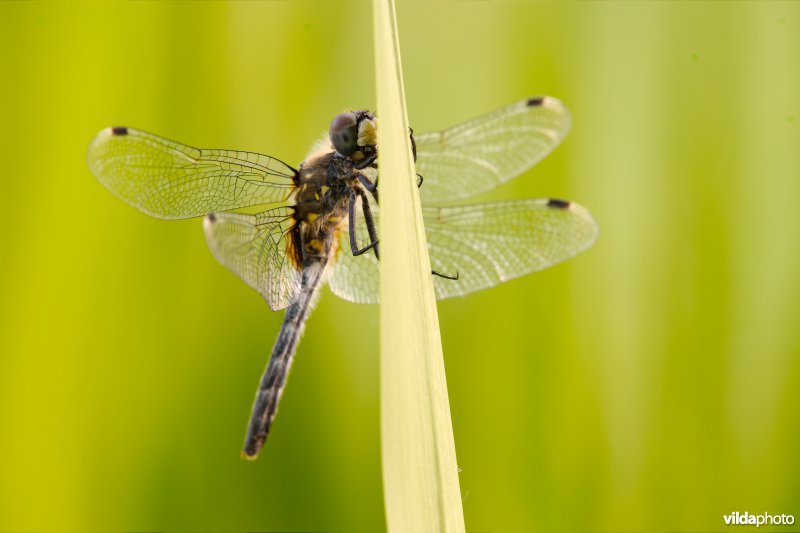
(354, 134)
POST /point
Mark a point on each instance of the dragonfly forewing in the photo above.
(483, 153)
(170, 180)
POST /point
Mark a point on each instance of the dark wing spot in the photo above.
(119, 130)
(211, 217)
(559, 204)
(536, 101)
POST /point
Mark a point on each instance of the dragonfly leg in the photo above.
(367, 218)
(365, 181)
(371, 187)
(445, 276)
(373, 233)
(367, 161)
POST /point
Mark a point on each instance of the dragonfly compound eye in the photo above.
(344, 133)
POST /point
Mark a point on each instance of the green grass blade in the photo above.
(420, 474)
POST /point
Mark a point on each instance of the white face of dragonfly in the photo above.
(368, 132)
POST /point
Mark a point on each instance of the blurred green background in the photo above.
(649, 384)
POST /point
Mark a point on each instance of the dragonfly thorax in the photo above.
(321, 203)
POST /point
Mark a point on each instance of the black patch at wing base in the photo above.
(119, 130)
(535, 101)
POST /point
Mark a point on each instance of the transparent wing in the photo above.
(170, 180)
(484, 244)
(259, 249)
(485, 152)
(487, 244)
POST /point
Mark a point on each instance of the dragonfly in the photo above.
(286, 231)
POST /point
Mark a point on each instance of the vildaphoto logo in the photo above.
(747, 519)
